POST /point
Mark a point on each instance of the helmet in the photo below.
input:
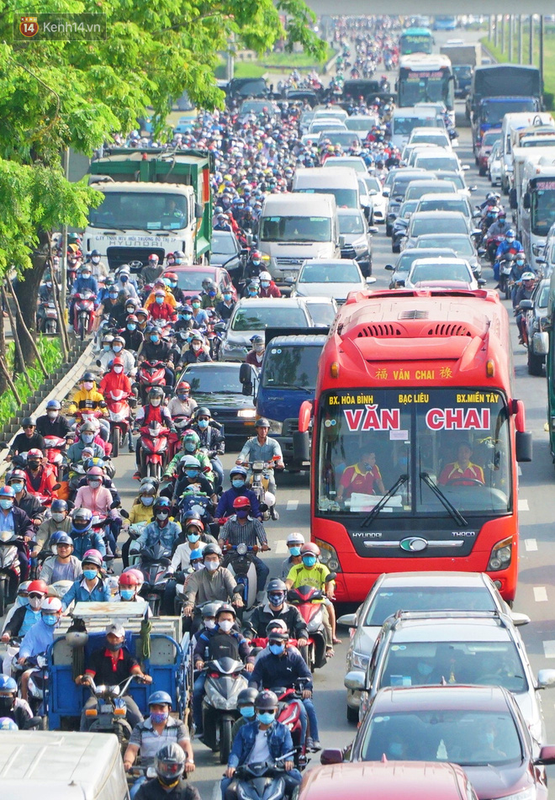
(159, 697)
(51, 604)
(184, 386)
(202, 411)
(129, 579)
(156, 391)
(118, 339)
(6, 491)
(54, 404)
(528, 276)
(265, 276)
(87, 427)
(17, 474)
(510, 232)
(148, 489)
(82, 519)
(212, 550)
(117, 362)
(142, 311)
(197, 337)
(266, 700)
(241, 502)
(63, 538)
(159, 293)
(34, 452)
(7, 684)
(262, 422)
(169, 763)
(58, 505)
(245, 696)
(95, 472)
(257, 339)
(131, 318)
(7, 724)
(276, 585)
(26, 421)
(193, 520)
(190, 462)
(227, 608)
(280, 636)
(56, 536)
(210, 609)
(87, 376)
(38, 586)
(92, 557)
(238, 471)
(311, 548)
(136, 572)
(162, 502)
(191, 436)
(23, 588)
(170, 275)
(295, 538)
(153, 257)
(276, 625)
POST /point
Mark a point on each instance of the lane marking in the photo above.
(281, 547)
(292, 505)
(549, 648)
(523, 504)
(530, 545)
(540, 594)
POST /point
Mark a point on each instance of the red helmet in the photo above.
(117, 362)
(311, 548)
(241, 502)
(37, 586)
(34, 451)
(153, 257)
(184, 386)
(171, 276)
(129, 579)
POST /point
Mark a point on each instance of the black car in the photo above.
(537, 324)
(216, 384)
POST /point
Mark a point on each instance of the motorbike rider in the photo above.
(142, 319)
(182, 405)
(190, 474)
(211, 439)
(83, 283)
(523, 291)
(294, 543)
(194, 533)
(53, 423)
(88, 397)
(155, 349)
(30, 439)
(282, 665)
(510, 244)
(38, 638)
(242, 528)
(112, 664)
(499, 227)
(109, 307)
(11, 706)
(245, 704)
(255, 356)
(90, 587)
(517, 271)
(225, 307)
(210, 294)
(277, 609)
(164, 532)
(211, 584)
(263, 448)
(64, 566)
(212, 645)
(132, 336)
(115, 380)
(238, 477)
(310, 572)
(84, 536)
(172, 282)
(140, 513)
(153, 411)
(197, 353)
(254, 265)
(41, 477)
(129, 585)
(201, 318)
(117, 350)
(15, 520)
(25, 616)
(59, 520)
(160, 284)
(169, 765)
(191, 447)
(32, 506)
(124, 281)
(98, 498)
(161, 309)
(152, 269)
(98, 267)
(252, 288)
(268, 287)
(86, 443)
(265, 739)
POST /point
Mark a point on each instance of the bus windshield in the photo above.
(140, 211)
(416, 43)
(448, 451)
(425, 86)
(542, 207)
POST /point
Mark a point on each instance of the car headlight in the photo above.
(501, 555)
(360, 661)
(246, 413)
(328, 556)
(275, 426)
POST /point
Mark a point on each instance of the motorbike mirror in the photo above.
(132, 402)
(331, 577)
(56, 487)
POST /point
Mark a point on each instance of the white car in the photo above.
(448, 273)
(494, 165)
(379, 201)
(334, 278)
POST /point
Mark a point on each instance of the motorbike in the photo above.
(224, 681)
(119, 415)
(290, 714)
(83, 313)
(491, 247)
(109, 714)
(181, 422)
(47, 317)
(238, 559)
(135, 531)
(36, 684)
(259, 484)
(10, 570)
(309, 602)
(505, 271)
(56, 447)
(154, 447)
(150, 374)
(154, 566)
(263, 781)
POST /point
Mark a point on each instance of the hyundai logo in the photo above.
(414, 544)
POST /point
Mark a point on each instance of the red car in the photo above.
(190, 278)
(488, 140)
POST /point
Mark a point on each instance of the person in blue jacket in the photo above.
(83, 535)
(238, 477)
(265, 739)
(90, 588)
(84, 282)
(38, 638)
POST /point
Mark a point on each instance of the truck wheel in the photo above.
(535, 363)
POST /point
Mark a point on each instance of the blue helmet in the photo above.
(7, 724)
(55, 404)
(58, 506)
(7, 684)
(57, 536)
(238, 470)
(159, 698)
(510, 233)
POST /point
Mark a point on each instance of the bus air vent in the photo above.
(381, 329)
(449, 329)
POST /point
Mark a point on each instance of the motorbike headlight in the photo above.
(246, 413)
(221, 702)
(275, 426)
(328, 556)
(501, 555)
(360, 661)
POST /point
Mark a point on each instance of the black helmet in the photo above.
(212, 550)
(262, 422)
(169, 763)
(278, 636)
(276, 585)
(87, 376)
(266, 700)
(26, 421)
(247, 696)
(202, 411)
(156, 391)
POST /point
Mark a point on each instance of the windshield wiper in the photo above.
(455, 513)
(289, 386)
(402, 479)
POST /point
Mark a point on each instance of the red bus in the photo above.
(416, 438)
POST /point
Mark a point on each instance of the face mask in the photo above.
(117, 348)
(191, 473)
(173, 284)
(187, 316)
(277, 649)
(50, 619)
(131, 326)
(86, 275)
(94, 484)
(210, 624)
(114, 647)
(87, 437)
(58, 517)
(252, 293)
(309, 561)
(225, 625)
(118, 370)
(247, 712)
(162, 515)
(33, 465)
(17, 487)
(196, 305)
(242, 513)
(266, 718)
(105, 347)
(295, 551)
(6, 504)
(196, 346)
(155, 339)
(395, 750)
(88, 385)
(124, 278)
(127, 594)
(212, 293)
(155, 402)
(159, 716)
(238, 483)
(95, 259)
(147, 501)
(227, 297)
(193, 537)
(35, 602)
(264, 284)
(113, 295)
(90, 574)
(510, 239)
(159, 300)
(425, 669)
(203, 423)
(276, 599)
(259, 348)
(190, 447)
(520, 262)
(211, 566)
(52, 414)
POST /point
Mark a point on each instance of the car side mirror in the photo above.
(333, 756)
(518, 618)
(290, 280)
(482, 282)
(526, 305)
(526, 200)
(370, 280)
(465, 167)
(400, 284)
(389, 267)
(547, 756)
(355, 680)
(341, 241)
(373, 229)
(386, 191)
(524, 446)
(245, 373)
(482, 252)
(472, 188)
(348, 620)
(199, 211)
(546, 678)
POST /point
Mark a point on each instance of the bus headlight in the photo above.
(501, 555)
(328, 556)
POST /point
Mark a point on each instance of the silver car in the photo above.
(414, 591)
(334, 278)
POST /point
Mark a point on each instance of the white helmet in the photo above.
(265, 276)
(52, 604)
(295, 538)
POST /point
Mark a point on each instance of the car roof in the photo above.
(445, 196)
(441, 627)
(438, 214)
(424, 236)
(210, 270)
(432, 579)
(431, 260)
(349, 212)
(264, 302)
(439, 697)
(374, 780)
(207, 364)
(332, 262)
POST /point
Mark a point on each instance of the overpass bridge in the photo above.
(361, 8)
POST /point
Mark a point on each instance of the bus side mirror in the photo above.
(524, 446)
(301, 446)
(526, 200)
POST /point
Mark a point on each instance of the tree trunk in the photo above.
(27, 291)
(3, 381)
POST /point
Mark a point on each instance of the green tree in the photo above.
(60, 94)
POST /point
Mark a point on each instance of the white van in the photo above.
(509, 139)
(57, 765)
(341, 182)
(294, 228)
(404, 120)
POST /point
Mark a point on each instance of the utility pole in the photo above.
(531, 40)
(511, 36)
(520, 38)
(63, 260)
(542, 32)
(502, 33)
(495, 31)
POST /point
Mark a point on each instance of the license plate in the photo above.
(106, 708)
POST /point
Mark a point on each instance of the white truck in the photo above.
(536, 211)
(513, 127)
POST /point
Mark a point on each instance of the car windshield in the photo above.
(439, 139)
(364, 124)
(469, 738)
(404, 125)
(407, 208)
(388, 601)
(460, 244)
(436, 162)
(416, 192)
(350, 223)
(293, 367)
(328, 273)
(337, 162)
(439, 272)
(373, 184)
(534, 142)
(456, 204)
(345, 198)
(296, 229)
(322, 314)
(190, 280)
(493, 112)
(490, 138)
(270, 316)
(473, 663)
(140, 211)
(345, 138)
(220, 380)
(457, 180)
(223, 243)
(257, 107)
(434, 224)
